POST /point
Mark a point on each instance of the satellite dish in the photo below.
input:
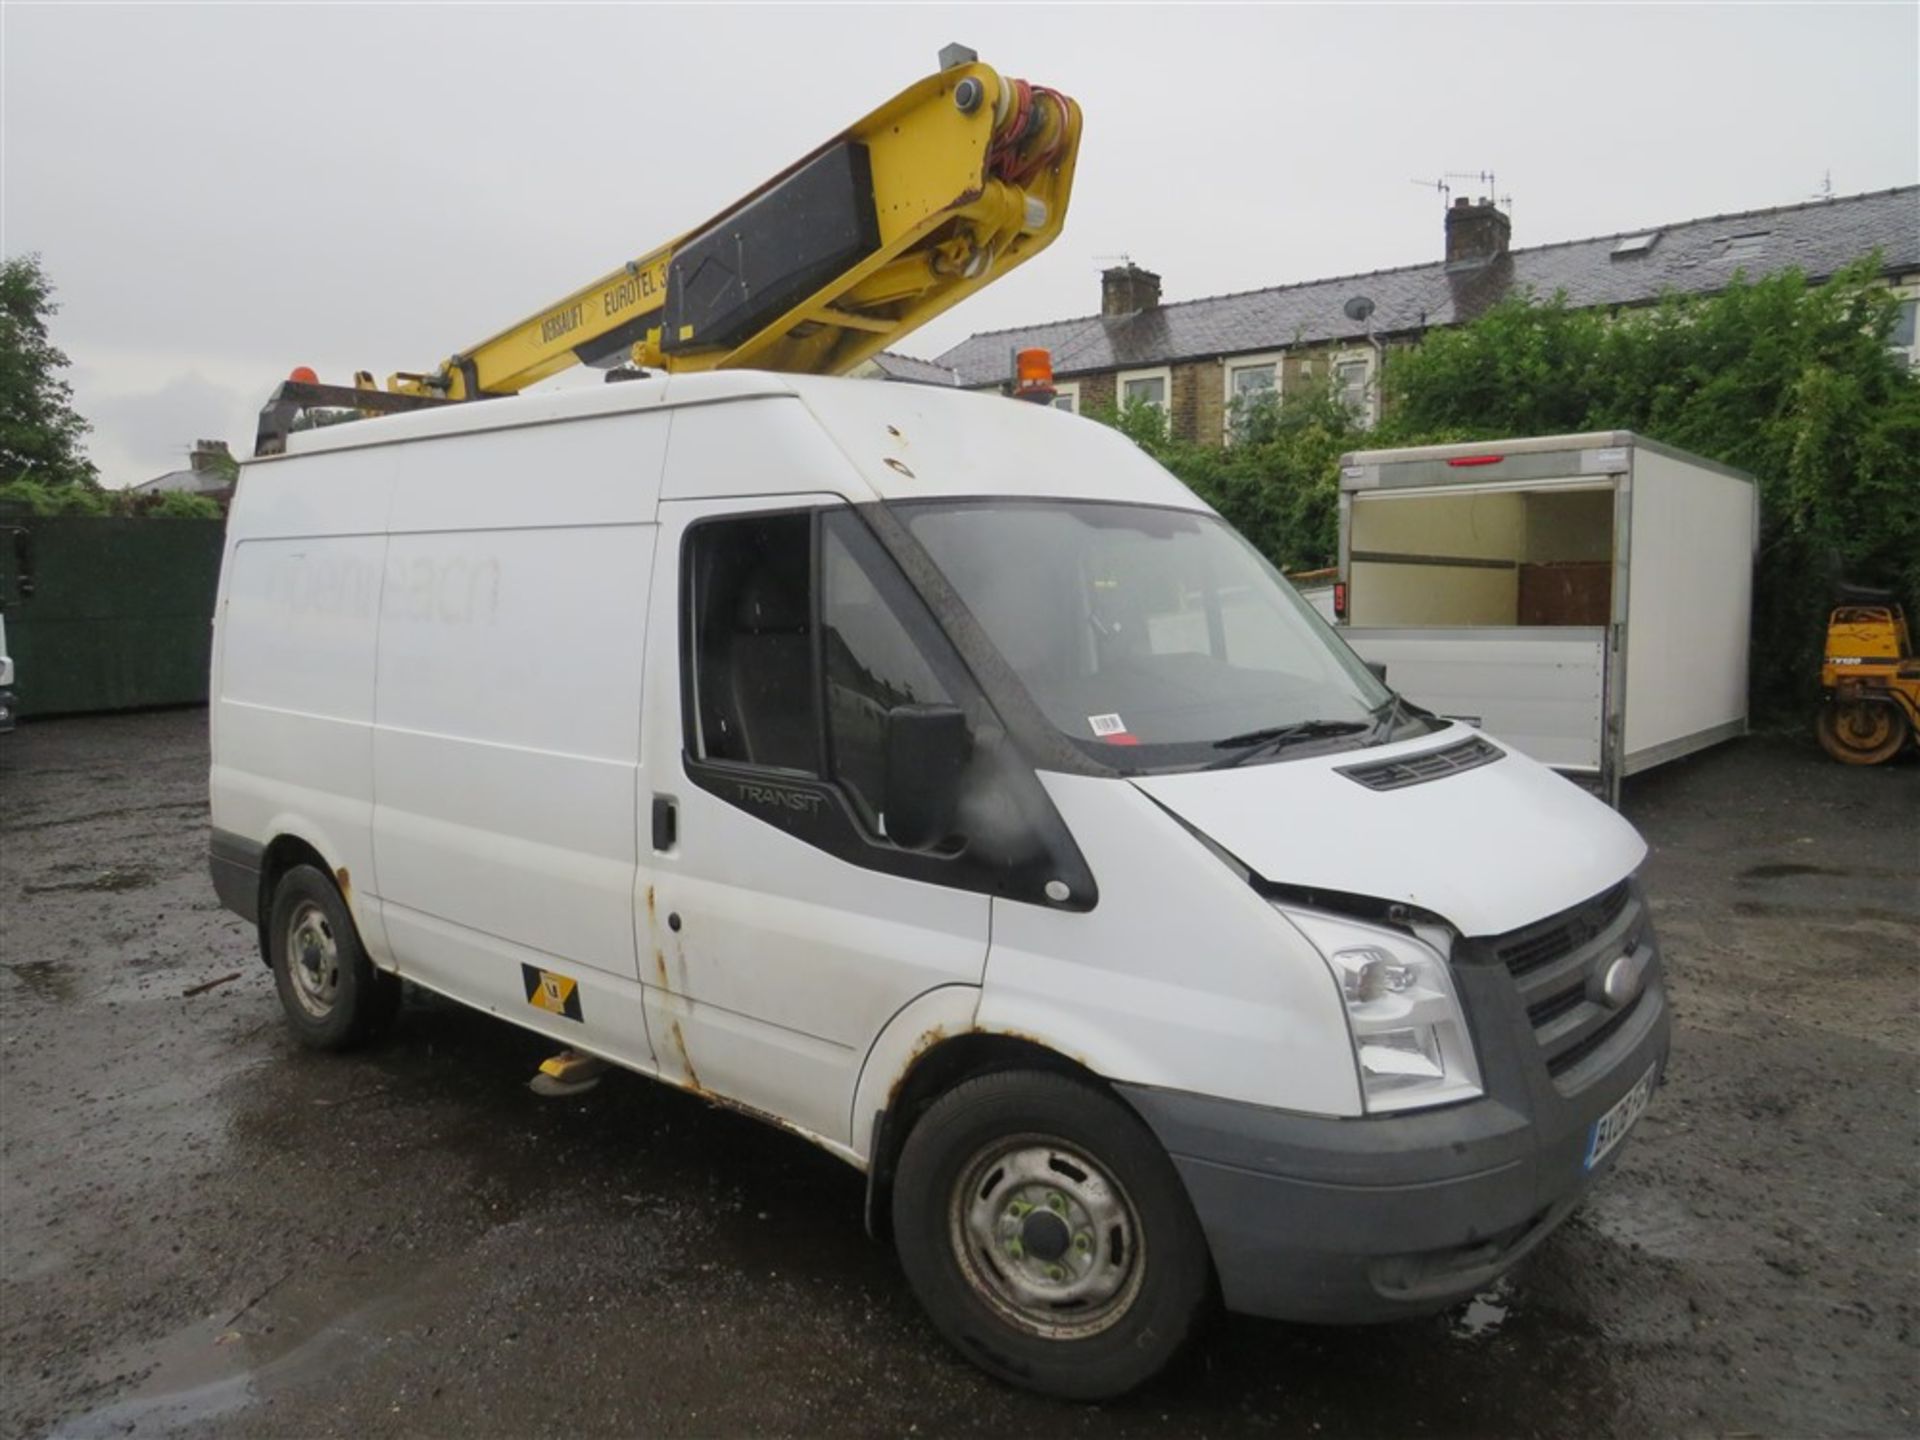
(1358, 308)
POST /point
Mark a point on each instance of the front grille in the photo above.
(1536, 945)
(1428, 765)
(1553, 964)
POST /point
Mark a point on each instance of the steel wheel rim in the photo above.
(1047, 1237)
(1865, 727)
(313, 960)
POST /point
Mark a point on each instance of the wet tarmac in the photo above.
(205, 1231)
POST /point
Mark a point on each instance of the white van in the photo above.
(937, 778)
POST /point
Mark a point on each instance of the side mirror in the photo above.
(1379, 669)
(928, 747)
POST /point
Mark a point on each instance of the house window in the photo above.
(1904, 337)
(1250, 380)
(1146, 387)
(1741, 248)
(1353, 385)
(1066, 396)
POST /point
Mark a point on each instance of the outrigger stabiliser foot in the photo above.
(567, 1074)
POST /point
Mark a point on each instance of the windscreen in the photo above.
(1154, 632)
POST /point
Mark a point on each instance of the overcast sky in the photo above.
(222, 192)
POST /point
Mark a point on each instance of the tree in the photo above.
(39, 430)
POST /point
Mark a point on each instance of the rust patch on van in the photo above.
(926, 1040)
(686, 1060)
(346, 884)
(765, 1117)
(660, 968)
(650, 917)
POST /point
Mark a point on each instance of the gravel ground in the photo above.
(206, 1231)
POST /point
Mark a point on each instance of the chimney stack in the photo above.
(1127, 290)
(1477, 232)
(206, 452)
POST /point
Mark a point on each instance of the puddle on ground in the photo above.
(107, 881)
(1785, 871)
(1484, 1314)
(47, 979)
(226, 1362)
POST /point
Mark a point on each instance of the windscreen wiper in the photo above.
(1253, 743)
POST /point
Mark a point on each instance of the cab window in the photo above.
(798, 650)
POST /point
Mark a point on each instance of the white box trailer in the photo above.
(1585, 597)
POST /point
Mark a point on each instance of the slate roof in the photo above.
(1691, 256)
(894, 366)
(188, 482)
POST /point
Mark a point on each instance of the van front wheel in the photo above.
(1048, 1236)
(334, 997)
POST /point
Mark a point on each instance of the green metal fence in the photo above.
(119, 616)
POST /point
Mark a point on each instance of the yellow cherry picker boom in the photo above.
(943, 189)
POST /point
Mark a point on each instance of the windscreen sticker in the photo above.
(1112, 729)
(556, 994)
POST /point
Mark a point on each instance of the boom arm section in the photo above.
(940, 191)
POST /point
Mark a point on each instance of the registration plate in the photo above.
(1611, 1128)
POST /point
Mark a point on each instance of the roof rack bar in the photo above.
(294, 397)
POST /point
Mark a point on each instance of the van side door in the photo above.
(786, 927)
(507, 734)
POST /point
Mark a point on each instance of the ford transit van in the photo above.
(935, 777)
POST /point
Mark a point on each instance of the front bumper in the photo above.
(1351, 1220)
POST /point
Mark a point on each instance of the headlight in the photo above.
(1409, 1035)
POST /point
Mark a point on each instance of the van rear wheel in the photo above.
(1048, 1236)
(333, 995)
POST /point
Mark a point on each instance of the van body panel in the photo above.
(1489, 849)
(603, 1015)
(599, 471)
(914, 442)
(772, 966)
(917, 1028)
(511, 648)
(507, 770)
(764, 448)
(1183, 977)
(292, 687)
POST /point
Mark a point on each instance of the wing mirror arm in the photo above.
(927, 750)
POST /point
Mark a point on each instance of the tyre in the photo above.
(1862, 732)
(334, 997)
(1046, 1233)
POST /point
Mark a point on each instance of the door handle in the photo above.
(666, 822)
